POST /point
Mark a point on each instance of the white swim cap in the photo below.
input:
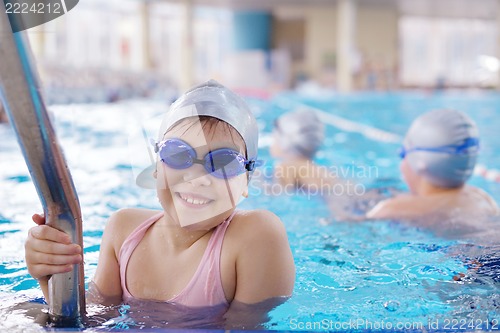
(300, 132)
(442, 146)
(214, 100)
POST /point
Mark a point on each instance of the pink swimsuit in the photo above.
(205, 287)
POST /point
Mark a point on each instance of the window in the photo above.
(453, 52)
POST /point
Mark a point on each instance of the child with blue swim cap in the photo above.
(198, 251)
(438, 155)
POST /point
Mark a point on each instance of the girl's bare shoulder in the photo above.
(256, 218)
(125, 220)
(248, 226)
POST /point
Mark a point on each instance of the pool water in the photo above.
(350, 276)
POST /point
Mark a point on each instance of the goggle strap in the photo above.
(155, 145)
(468, 143)
(250, 165)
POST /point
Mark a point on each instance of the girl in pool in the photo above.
(438, 157)
(199, 250)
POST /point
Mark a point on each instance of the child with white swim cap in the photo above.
(438, 155)
(297, 136)
(298, 133)
(199, 250)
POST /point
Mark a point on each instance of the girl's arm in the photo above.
(107, 275)
(264, 264)
(265, 271)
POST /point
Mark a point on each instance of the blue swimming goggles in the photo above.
(451, 149)
(222, 163)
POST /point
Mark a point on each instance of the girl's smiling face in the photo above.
(193, 197)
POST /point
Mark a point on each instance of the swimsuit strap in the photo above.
(205, 287)
(129, 246)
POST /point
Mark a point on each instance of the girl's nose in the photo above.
(197, 176)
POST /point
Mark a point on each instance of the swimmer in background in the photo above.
(297, 136)
(438, 156)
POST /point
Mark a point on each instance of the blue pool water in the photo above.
(369, 275)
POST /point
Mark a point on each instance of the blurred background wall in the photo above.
(122, 48)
